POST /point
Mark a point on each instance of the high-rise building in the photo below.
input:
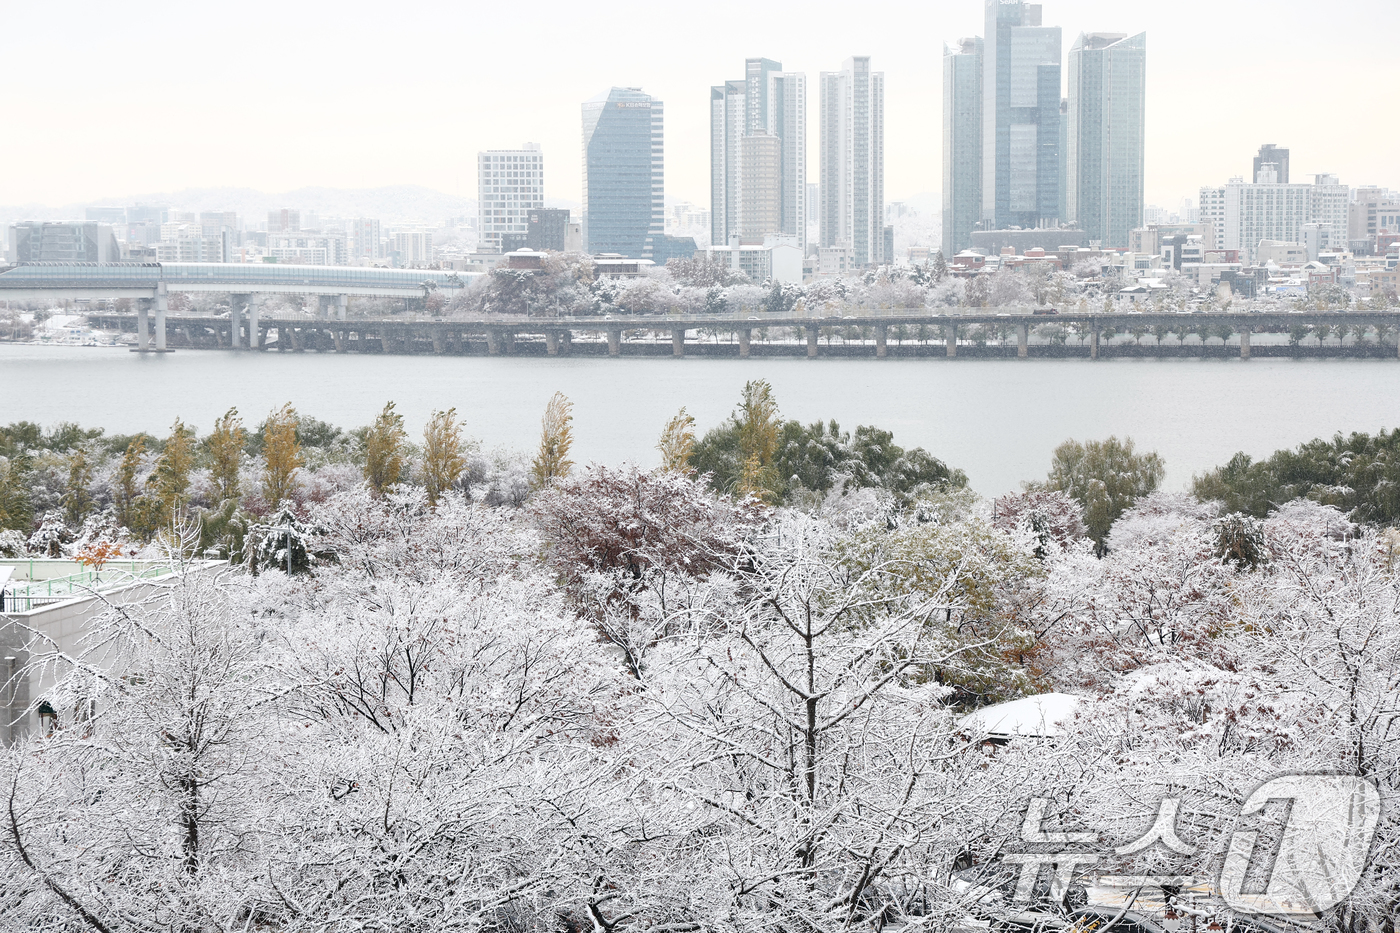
(852, 161)
(1104, 165)
(624, 190)
(510, 184)
(283, 221)
(1020, 117)
(768, 102)
(1212, 211)
(787, 120)
(1269, 154)
(414, 247)
(547, 229)
(962, 143)
(75, 241)
(366, 241)
(1277, 211)
(761, 186)
(305, 248)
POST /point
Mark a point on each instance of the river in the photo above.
(998, 420)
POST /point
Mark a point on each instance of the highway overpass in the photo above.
(693, 335)
(150, 284)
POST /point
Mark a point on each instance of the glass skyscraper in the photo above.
(1104, 165)
(623, 178)
(962, 143)
(852, 160)
(769, 102)
(1020, 117)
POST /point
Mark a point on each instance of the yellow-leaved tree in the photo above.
(556, 437)
(677, 443)
(281, 455)
(758, 442)
(171, 478)
(384, 450)
(225, 445)
(444, 455)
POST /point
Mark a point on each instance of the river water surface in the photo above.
(998, 420)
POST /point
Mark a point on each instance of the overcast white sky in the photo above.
(108, 99)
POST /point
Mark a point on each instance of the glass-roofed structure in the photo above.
(231, 277)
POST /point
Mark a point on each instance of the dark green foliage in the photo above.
(816, 457)
(22, 437)
(1239, 540)
(311, 432)
(1359, 474)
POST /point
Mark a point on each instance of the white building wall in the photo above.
(510, 184)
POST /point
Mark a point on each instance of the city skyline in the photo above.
(229, 114)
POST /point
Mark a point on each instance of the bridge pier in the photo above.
(323, 307)
(256, 339)
(295, 334)
(678, 342)
(1094, 342)
(950, 331)
(338, 336)
(235, 312)
(812, 332)
(1023, 340)
(614, 341)
(881, 350)
(508, 342)
(143, 324)
(235, 327)
(162, 306)
(551, 342)
(341, 301)
(745, 336)
(1244, 343)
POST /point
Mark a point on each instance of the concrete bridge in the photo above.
(500, 335)
(150, 285)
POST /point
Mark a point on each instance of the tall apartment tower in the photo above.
(1020, 117)
(1269, 154)
(624, 190)
(962, 143)
(366, 240)
(509, 184)
(768, 103)
(1104, 164)
(852, 162)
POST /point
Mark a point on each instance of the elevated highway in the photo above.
(504, 335)
(150, 284)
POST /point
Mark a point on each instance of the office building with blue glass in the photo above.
(623, 177)
(962, 143)
(1021, 117)
(1104, 165)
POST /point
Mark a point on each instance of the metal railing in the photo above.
(28, 595)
